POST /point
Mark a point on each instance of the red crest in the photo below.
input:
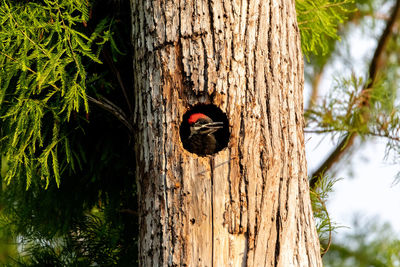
(195, 116)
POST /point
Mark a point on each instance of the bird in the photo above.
(201, 140)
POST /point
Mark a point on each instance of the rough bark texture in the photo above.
(249, 204)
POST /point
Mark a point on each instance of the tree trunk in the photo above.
(247, 205)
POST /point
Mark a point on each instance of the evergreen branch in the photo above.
(13, 59)
(41, 53)
(394, 138)
(322, 202)
(324, 131)
(375, 66)
(326, 6)
(324, 225)
(67, 36)
(318, 22)
(24, 33)
(29, 69)
(113, 109)
(80, 72)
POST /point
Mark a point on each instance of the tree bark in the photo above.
(247, 205)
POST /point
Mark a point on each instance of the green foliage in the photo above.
(354, 106)
(368, 244)
(51, 62)
(91, 236)
(92, 241)
(319, 196)
(319, 21)
(342, 110)
(370, 112)
(90, 218)
(8, 248)
(45, 50)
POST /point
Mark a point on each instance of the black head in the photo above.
(202, 124)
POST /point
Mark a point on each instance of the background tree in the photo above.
(368, 244)
(360, 105)
(369, 103)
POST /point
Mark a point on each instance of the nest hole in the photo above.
(217, 115)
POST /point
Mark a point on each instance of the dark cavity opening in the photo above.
(202, 144)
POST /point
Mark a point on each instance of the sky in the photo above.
(371, 191)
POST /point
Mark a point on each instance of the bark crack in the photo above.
(210, 10)
(278, 226)
(212, 164)
(268, 93)
(205, 65)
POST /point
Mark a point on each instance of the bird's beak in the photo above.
(208, 128)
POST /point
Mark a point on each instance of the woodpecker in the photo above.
(201, 139)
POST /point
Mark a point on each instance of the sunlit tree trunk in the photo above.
(247, 205)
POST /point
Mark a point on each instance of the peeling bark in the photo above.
(247, 205)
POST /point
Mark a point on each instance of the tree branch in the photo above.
(374, 68)
(113, 109)
(376, 134)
